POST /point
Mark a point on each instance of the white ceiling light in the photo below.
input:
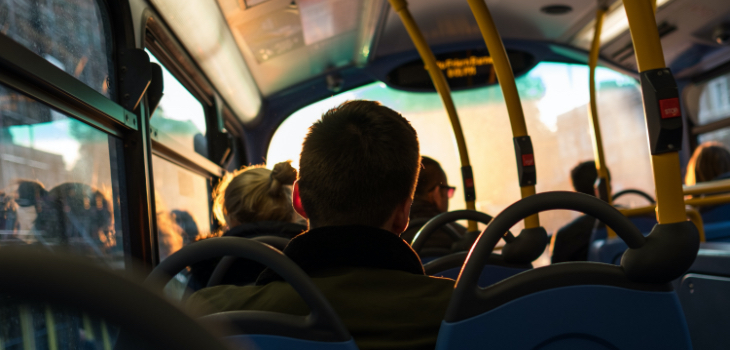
(614, 24)
(204, 32)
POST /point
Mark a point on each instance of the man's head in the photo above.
(584, 177)
(433, 186)
(359, 166)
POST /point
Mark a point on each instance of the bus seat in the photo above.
(706, 308)
(321, 329)
(594, 305)
(494, 271)
(615, 315)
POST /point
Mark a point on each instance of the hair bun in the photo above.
(284, 173)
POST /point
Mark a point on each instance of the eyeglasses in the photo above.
(451, 190)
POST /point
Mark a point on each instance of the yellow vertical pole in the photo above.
(506, 79)
(649, 56)
(604, 184)
(88, 328)
(26, 327)
(106, 340)
(401, 8)
(51, 329)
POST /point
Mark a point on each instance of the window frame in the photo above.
(696, 130)
(23, 70)
(162, 43)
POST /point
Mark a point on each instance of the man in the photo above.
(570, 242)
(357, 176)
(431, 198)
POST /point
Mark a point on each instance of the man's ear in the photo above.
(297, 201)
(401, 217)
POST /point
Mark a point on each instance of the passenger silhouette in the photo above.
(9, 224)
(71, 215)
(710, 161)
(251, 202)
(358, 170)
(431, 198)
(571, 241)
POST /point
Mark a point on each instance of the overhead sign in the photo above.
(462, 70)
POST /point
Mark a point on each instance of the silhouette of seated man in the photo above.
(357, 176)
(431, 198)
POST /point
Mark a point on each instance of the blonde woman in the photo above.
(252, 202)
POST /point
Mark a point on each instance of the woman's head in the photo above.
(254, 194)
(709, 160)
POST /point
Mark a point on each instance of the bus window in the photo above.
(72, 35)
(59, 181)
(709, 106)
(180, 115)
(554, 97)
(182, 204)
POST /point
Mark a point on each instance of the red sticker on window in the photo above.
(669, 108)
(528, 160)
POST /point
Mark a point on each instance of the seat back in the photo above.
(705, 302)
(321, 329)
(594, 305)
(580, 317)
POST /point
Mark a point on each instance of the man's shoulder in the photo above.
(227, 298)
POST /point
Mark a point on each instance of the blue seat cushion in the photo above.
(575, 317)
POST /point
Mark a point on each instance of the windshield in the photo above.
(555, 102)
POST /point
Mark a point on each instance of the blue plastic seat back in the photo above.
(575, 317)
(707, 309)
(258, 341)
(490, 275)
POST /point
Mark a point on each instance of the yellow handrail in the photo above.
(695, 202)
(708, 187)
(649, 56)
(595, 125)
(506, 79)
(696, 219)
(401, 8)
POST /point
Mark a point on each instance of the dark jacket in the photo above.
(440, 242)
(242, 272)
(372, 278)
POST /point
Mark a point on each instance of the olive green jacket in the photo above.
(390, 306)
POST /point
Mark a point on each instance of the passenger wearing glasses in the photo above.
(432, 198)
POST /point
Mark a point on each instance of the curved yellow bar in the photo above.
(696, 219)
(506, 78)
(595, 124)
(649, 56)
(401, 7)
(593, 110)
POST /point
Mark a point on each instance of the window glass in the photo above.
(41, 326)
(555, 101)
(180, 115)
(714, 103)
(59, 181)
(72, 35)
(183, 209)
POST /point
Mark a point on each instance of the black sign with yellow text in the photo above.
(462, 70)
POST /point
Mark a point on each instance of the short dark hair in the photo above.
(358, 163)
(584, 177)
(430, 175)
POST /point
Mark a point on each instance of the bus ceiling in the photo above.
(265, 47)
